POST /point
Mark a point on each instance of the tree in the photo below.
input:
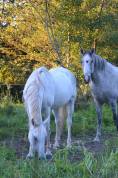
(24, 44)
(42, 32)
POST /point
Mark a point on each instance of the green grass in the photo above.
(78, 162)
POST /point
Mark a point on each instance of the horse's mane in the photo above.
(99, 62)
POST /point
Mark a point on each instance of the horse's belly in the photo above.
(105, 95)
(59, 101)
(63, 92)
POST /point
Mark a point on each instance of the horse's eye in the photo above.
(86, 61)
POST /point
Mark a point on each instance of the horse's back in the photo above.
(62, 70)
(65, 85)
(58, 85)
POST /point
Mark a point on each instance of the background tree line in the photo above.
(51, 32)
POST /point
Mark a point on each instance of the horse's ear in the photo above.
(82, 51)
(92, 51)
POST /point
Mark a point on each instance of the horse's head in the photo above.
(37, 138)
(87, 64)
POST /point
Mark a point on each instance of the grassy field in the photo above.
(85, 159)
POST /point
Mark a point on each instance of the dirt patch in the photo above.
(20, 144)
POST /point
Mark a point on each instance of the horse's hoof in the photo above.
(56, 146)
(96, 139)
(42, 158)
(69, 146)
(48, 156)
(29, 156)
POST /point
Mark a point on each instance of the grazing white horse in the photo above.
(103, 80)
(45, 91)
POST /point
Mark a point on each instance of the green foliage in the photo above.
(12, 120)
(60, 166)
(79, 161)
(25, 42)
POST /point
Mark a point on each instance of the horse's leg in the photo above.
(70, 110)
(31, 148)
(47, 116)
(58, 130)
(59, 114)
(30, 138)
(99, 121)
(114, 111)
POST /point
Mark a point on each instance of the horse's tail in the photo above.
(41, 80)
(39, 72)
(33, 96)
(46, 81)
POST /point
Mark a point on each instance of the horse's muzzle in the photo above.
(87, 79)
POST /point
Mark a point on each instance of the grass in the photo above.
(79, 161)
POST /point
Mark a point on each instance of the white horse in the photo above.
(45, 91)
(103, 80)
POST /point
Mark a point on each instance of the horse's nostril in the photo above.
(86, 81)
(35, 139)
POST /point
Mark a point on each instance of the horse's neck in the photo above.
(100, 75)
(96, 76)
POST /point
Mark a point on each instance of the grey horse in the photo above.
(102, 77)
